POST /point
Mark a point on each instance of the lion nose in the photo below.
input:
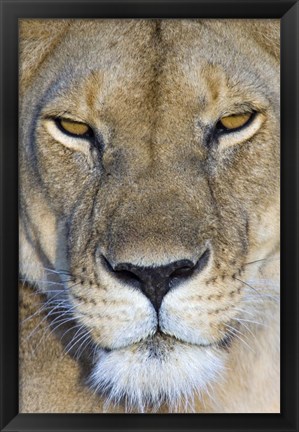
(155, 282)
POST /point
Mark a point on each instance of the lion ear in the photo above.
(37, 38)
(266, 32)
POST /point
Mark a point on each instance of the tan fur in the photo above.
(158, 193)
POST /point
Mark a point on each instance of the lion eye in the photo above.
(74, 128)
(235, 121)
(237, 128)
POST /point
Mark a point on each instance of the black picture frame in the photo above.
(11, 11)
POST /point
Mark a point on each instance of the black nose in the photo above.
(155, 282)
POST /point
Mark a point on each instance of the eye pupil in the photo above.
(234, 121)
(74, 128)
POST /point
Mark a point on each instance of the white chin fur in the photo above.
(147, 374)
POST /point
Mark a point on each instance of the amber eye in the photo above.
(235, 121)
(74, 128)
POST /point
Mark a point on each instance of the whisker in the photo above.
(59, 271)
(254, 289)
(40, 281)
(241, 320)
(95, 353)
(37, 293)
(43, 320)
(74, 342)
(263, 259)
(262, 298)
(259, 299)
(67, 312)
(246, 327)
(47, 269)
(235, 332)
(81, 346)
(49, 331)
(243, 311)
(41, 309)
(80, 325)
(247, 284)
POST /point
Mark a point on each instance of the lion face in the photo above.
(150, 169)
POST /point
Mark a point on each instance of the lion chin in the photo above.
(159, 370)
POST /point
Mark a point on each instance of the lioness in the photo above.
(149, 215)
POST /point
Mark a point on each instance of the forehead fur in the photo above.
(39, 38)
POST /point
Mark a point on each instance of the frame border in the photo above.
(11, 11)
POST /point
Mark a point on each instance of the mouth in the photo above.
(157, 344)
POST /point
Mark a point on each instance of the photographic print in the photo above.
(149, 185)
